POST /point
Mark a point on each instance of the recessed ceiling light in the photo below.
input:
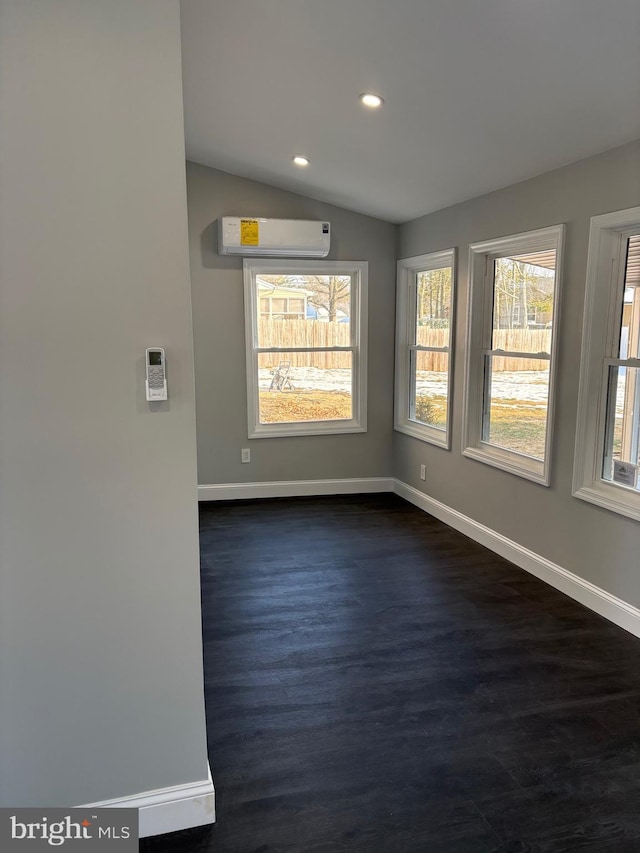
(299, 160)
(370, 100)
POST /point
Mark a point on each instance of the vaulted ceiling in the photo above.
(478, 94)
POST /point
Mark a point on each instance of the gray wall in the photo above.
(100, 638)
(596, 544)
(217, 290)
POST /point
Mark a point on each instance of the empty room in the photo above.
(320, 422)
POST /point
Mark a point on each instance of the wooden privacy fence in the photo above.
(510, 340)
(315, 333)
(304, 333)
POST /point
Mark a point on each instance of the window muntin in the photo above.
(514, 299)
(426, 298)
(306, 354)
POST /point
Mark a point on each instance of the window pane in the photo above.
(304, 386)
(429, 383)
(630, 326)
(623, 428)
(523, 302)
(516, 404)
(433, 307)
(311, 311)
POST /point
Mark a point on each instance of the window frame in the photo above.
(479, 343)
(600, 332)
(358, 272)
(407, 272)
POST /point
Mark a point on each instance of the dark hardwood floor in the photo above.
(377, 682)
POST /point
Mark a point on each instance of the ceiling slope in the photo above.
(477, 95)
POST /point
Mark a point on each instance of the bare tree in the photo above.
(520, 289)
(434, 295)
(330, 292)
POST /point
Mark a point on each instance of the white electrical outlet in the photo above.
(246, 454)
(423, 472)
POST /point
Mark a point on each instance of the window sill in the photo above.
(615, 499)
(513, 463)
(289, 430)
(431, 435)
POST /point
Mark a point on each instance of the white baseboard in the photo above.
(599, 600)
(294, 488)
(168, 809)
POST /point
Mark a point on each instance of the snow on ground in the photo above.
(522, 384)
(311, 379)
(530, 385)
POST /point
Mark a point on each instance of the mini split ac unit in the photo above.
(285, 238)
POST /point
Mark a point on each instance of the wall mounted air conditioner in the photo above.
(285, 238)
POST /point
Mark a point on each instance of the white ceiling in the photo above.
(478, 94)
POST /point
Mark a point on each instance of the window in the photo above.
(424, 324)
(607, 457)
(511, 347)
(305, 326)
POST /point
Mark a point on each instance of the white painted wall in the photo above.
(100, 634)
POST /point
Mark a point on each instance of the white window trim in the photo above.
(479, 319)
(358, 270)
(605, 267)
(406, 278)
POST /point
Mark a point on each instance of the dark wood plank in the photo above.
(376, 681)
